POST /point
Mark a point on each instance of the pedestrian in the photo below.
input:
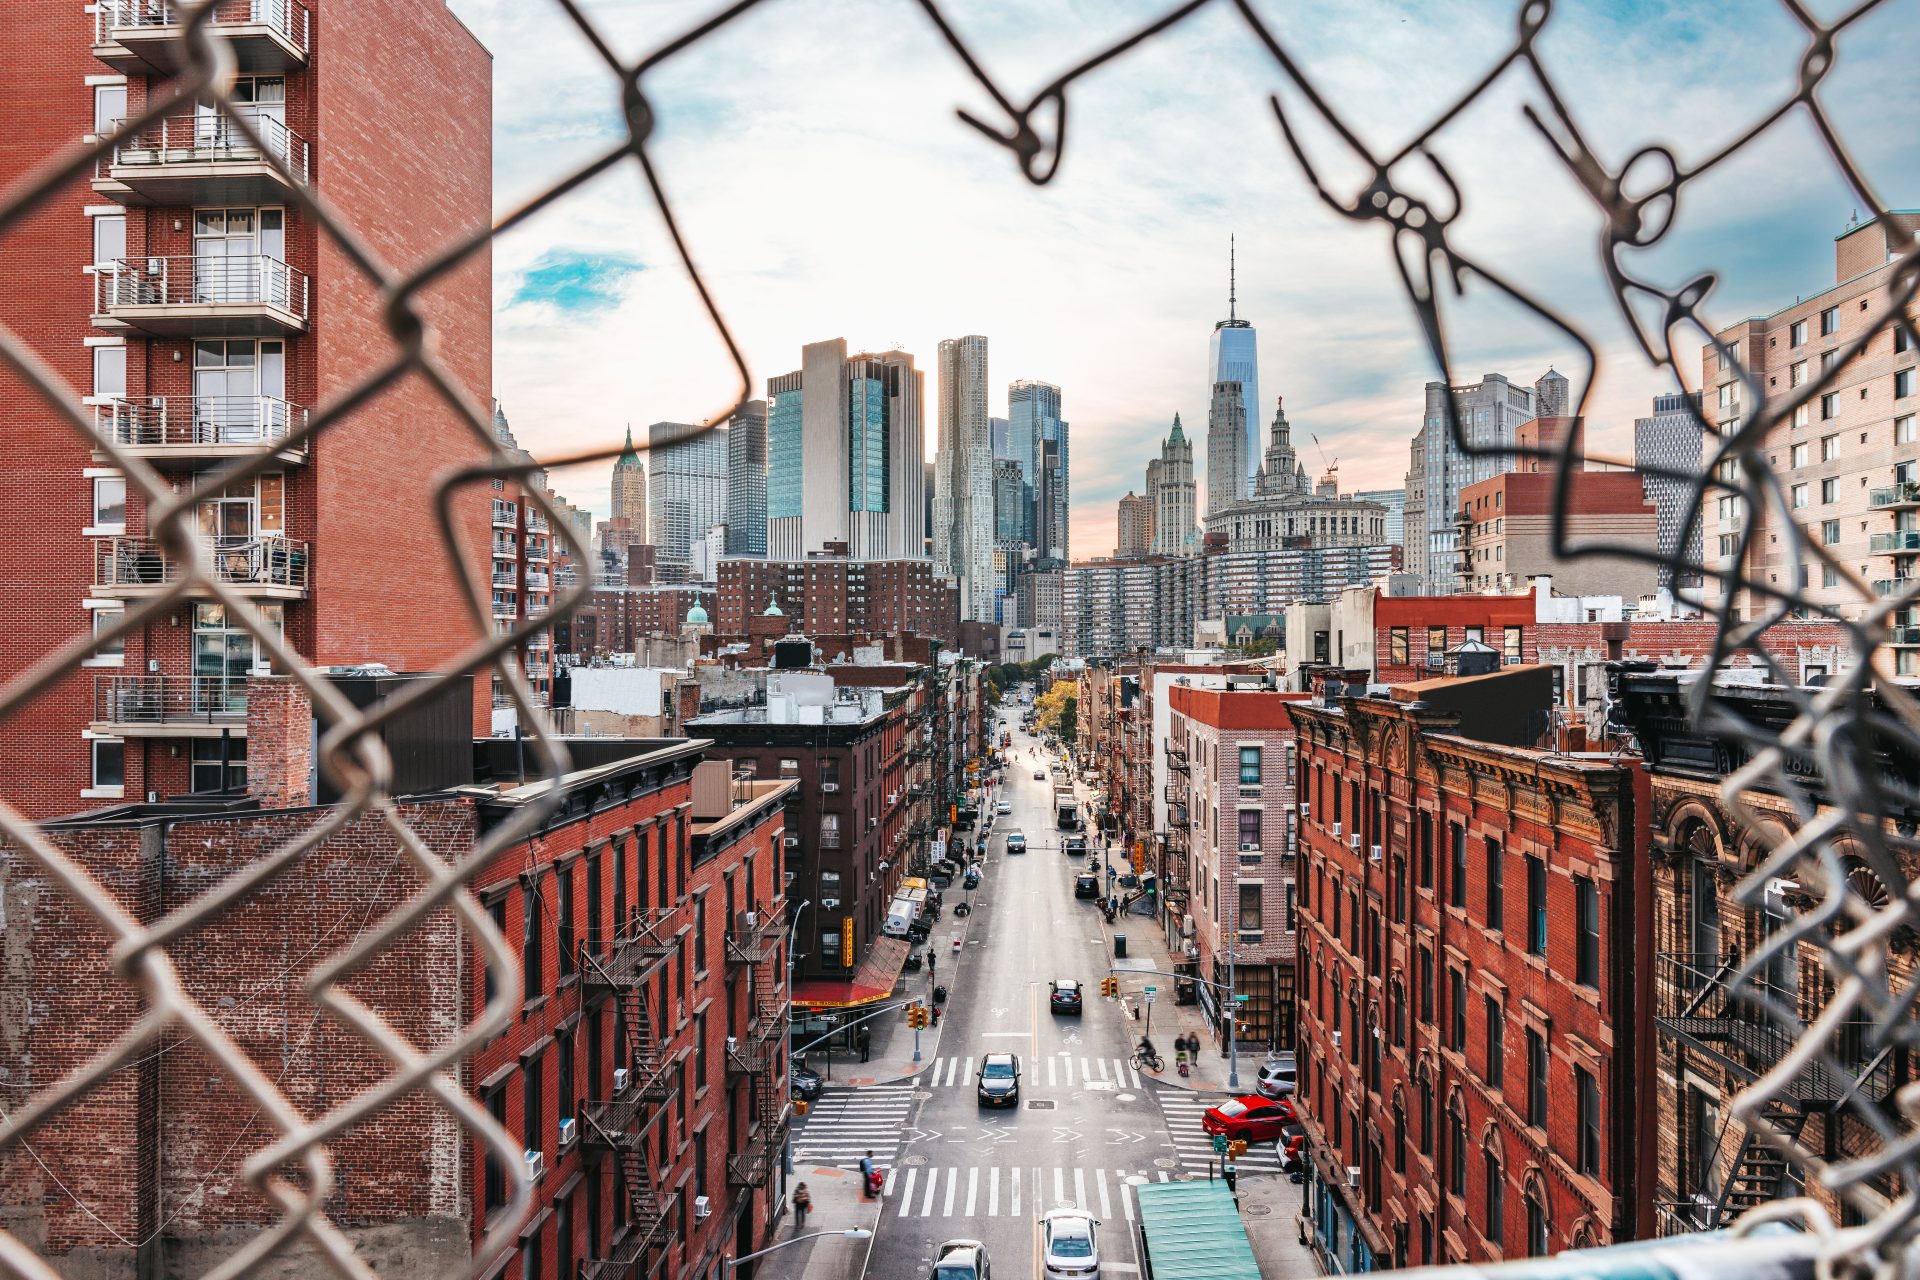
(864, 1039)
(933, 963)
(802, 1206)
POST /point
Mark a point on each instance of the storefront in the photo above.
(1341, 1237)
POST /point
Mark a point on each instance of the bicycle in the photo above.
(1147, 1061)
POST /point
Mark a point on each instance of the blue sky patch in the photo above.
(575, 281)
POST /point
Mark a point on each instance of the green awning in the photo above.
(1192, 1231)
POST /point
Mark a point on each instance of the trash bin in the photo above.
(1119, 946)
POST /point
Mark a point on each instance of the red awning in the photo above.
(872, 982)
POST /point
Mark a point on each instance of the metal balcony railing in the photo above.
(267, 562)
(119, 20)
(753, 1165)
(1903, 635)
(1897, 542)
(538, 552)
(505, 578)
(208, 139)
(537, 579)
(537, 523)
(505, 514)
(190, 424)
(1885, 587)
(756, 943)
(163, 699)
(136, 289)
(634, 954)
(1905, 494)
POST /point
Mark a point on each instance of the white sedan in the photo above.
(1005, 806)
(1068, 1243)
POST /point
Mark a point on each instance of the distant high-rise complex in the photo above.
(1050, 503)
(1226, 432)
(963, 477)
(1170, 490)
(846, 438)
(998, 435)
(747, 480)
(1395, 501)
(1672, 441)
(1232, 356)
(1033, 418)
(1136, 526)
(630, 487)
(1009, 503)
(1439, 468)
(688, 491)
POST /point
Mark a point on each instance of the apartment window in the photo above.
(1457, 1147)
(218, 764)
(1399, 1137)
(1536, 1079)
(563, 920)
(1249, 828)
(1904, 430)
(1250, 908)
(1828, 359)
(1511, 645)
(1829, 576)
(1829, 322)
(1249, 766)
(1426, 986)
(1903, 384)
(1496, 885)
(1797, 455)
(1797, 496)
(1829, 448)
(1830, 532)
(1902, 341)
(1457, 1010)
(1397, 647)
(700, 1081)
(1586, 1098)
(496, 1188)
(1496, 1201)
(1586, 906)
(1426, 850)
(1536, 906)
(1397, 888)
(1496, 1076)
(1796, 373)
(563, 1093)
(1829, 491)
(109, 107)
(1477, 635)
(1538, 1246)
(533, 1105)
(1457, 865)
(1797, 333)
(108, 653)
(700, 934)
(829, 831)
(1829, 406)
(530, 949)
(109, 502)
(1436, 645)
(830, 948)
(109, 764)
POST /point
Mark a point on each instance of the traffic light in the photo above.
(1110, 987)
(799, 1106)
(916, 1016)
(1237, 1148)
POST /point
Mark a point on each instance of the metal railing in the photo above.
(126, 562)
(250, 280)
(289, 18)
(166, 699)
(1906, 494)
(207, 138)
(1881, 544)
(192, 422)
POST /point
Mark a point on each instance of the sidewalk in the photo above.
(837, 1205)
(1271, 1209)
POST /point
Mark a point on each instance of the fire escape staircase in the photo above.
(754, 945)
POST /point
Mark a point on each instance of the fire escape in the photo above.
(1701, 1002)
(1175, 882)
(621, 1125)
(753, 946)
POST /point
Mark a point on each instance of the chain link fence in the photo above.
(1836, 726)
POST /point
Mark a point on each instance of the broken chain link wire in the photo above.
(1837, 726)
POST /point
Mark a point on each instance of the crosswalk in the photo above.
(845, 1123)
(999, 1191)
(1052, 1071)
(1183, 1111)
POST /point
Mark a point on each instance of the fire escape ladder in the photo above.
(1760, 1173)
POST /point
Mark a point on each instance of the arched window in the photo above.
(1423, 1087)
(1457, 1144)
(1494, 1220)
(1539, 1235)
(1399, 1130)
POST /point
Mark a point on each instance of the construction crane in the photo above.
(1332, 464)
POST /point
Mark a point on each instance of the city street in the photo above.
(1088, 1127)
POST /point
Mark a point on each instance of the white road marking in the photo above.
(933, 1184)
(1060, 1185)
(973, 1189)
(1080, 1188)
(953, 1185)
(1049, 1073)
(1106, 1205)
(906, 1195)
(1126, 1199)
(993, 1192)
(1015, 1174)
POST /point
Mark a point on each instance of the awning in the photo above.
(872, 982)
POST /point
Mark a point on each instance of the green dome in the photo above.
(773, 609)
(696, 616)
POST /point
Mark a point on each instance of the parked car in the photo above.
(1039, 775)
(1276, 1077)
(1075, 846)
(1086, 886)
(1069, 1244)
(1005, 806)
(961, 1260)
(1253, 1118)
(804, 1081)
(1016, 841)
(1063, 996)
(998, 1084)
(1291, 1147)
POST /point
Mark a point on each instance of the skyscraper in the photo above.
(630, 487)
(1672, 440)
(963, 501)
(1170, 489)
(1050, 504)
(1136, 526)
(1226, 429)
(1033, 417)
(1439, 468)
(688, 493)
(1395, 501)
(747, 480)
(1009, 503)
(845, 440)
(1232, 357)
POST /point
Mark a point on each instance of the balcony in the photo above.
(1885, 587)
(169, 706)
(505, 515)
(272, 568)
(145, 37)
(1897, 543)
(195, 431)
(538, 552)
(202, 297)
(205, 159)
(1905, 494)
(754, 1163)
(1177, 760)
(756, 942)
(636, 953)
(537, 523)
(538, 579)
(1904, 637)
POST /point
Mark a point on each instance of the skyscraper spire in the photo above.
(1232, 269)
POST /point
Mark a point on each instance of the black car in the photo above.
(1064, 995)
(805, 1083)
(1087, 886)
(1075, 846)
(998, 1084)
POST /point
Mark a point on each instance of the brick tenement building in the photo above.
(1475, 1030)
(1848, 459)
(615, 619)
(1712, 1043)
(831, 594)
(1230, 851)
(1413, 634)
(198, 316)
(1506, 531)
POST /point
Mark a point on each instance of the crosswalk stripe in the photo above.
(1080, 1188)
(966, 1072)
(886, 1188)
(993, 1192)
(1059, 1185)
(933, 1185)
(1049, 1072)
(1126, 1199)
(1106, 1205)
(953, 1185)
(906, 1194)
(1066, 1068)
(1165, 1176)
(1015, 1174)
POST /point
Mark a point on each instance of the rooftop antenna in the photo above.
(1232, 272)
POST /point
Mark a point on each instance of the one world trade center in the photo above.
(1232, 358)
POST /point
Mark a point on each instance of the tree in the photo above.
(1068, 725)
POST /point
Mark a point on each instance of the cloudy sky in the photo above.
(827, 188)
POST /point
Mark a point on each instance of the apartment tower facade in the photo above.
(963, 498)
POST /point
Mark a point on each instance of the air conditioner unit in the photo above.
(829, 786)
(829, 904)
(1336, 831)
(1373, 855)
(733, 1044)
(1353, 1175)
(620, 1079)
(1336, 1039)
(1306, 808)
(1245, 847)
(568, 1130)
(1353, 841)
(703, 1207)
(536, 1165)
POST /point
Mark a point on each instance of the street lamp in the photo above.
(851, 1233)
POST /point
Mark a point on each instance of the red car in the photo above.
(1252, 1118)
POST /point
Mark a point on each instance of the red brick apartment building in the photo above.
(830, 595)
(1475, 1043)
(640, 1068)
(195, 314)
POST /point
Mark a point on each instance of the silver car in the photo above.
(1069, 1244)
